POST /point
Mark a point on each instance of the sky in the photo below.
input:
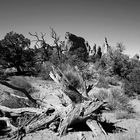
(118, 20)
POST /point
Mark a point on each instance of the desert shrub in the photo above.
(102, 95)
(114, 63)
(103, 62)
(78, 65)
(37, 68)
(102, 82)
(73, 61)
(119, 62)
(123, 115)
(116, 99)
(1, 72)
(132, 83)
(119, 101)
(90, 73)
(45, 69)
(75, 78)
(112, 81)
(54, 59)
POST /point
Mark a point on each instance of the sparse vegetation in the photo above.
(124, 115)
(74, 77)
(116, 78)
(119, 101)
(132, 82)
(44, 71)
(116, 99)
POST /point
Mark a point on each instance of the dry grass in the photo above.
(75, 78)
(21, 82)
(116, 99)
(119, 101)
(124, 115)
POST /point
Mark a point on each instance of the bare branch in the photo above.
(54, 35)
(42, 40)
(42, 36)
(35, 35)
(56, 42)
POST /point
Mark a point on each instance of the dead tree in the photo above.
(82, 109)
(56, 42)
(38, 40)
(42, 45)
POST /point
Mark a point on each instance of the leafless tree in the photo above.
(38, 39)
(41, 43)
(58, 44)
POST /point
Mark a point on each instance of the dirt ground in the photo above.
(48, 91)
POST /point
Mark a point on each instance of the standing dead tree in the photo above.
(43, 47)
(58, 44)
(38, 40)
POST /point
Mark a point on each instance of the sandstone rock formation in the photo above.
(76, 46)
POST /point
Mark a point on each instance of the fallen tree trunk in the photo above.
(42, 119)
(20, 110)
(82, 110)
(38, 118)
(42, 122)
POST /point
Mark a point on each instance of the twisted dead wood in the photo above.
(83, 110)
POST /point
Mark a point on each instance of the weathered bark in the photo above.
(83, 108)
(42, 122)
(80, 113)
(95, 127)
(19, 111)
(66, 87)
